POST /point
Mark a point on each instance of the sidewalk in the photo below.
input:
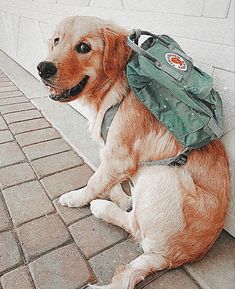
(46, 246)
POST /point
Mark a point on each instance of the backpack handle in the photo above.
(137, 33)
(132, 42)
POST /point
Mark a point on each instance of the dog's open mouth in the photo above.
(66, 95)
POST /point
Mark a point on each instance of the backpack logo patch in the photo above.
(176, 61)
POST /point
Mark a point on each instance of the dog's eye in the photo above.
(56, 40)
(83, 48)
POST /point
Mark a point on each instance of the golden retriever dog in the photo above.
(177, 212)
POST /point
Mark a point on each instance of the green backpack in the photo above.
(177, 93)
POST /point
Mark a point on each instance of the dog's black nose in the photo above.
(46, 69)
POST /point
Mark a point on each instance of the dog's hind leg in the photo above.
(135, 271)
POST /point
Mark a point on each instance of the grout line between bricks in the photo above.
(20, 183)
(7, 141)
(34, 258)
(30, 278)
(82, 218)
(53, 154)
(10, 269)
(191, 277)
(8, 214)
(15, 163)
(60, 171)
(42, 128)
(26, 101)
(31, 130)
(2, 92)
(109, 247)
(22, 110)
(10, 104)
(149, 279)
(22, 257)
(9, 84)
(12, 112)
(4, 78)
(43, 141)
(7, 97)
(25, 120)
(34, 219)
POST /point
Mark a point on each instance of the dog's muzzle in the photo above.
(69, 93)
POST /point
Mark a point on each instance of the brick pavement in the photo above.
(42, 244)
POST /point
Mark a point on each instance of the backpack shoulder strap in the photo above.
(108, 119)
(178, 160)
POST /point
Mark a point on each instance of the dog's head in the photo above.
(86, 55)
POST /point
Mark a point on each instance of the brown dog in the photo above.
(178, 212)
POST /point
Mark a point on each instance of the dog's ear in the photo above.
(116, 52)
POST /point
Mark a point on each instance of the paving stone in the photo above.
(13, 100)
(8, 88)
(45, 149)
(8, 94)
(10, 153)
(16, 174)
(22, 115)
(216, 269)
(28, 125)
(66, 181)
(9, 252)
(174, 279)
(6, 136)
(70, 215)
(105, 264)
(42, 235)
(56, 163)
(17, 279)
(93, 235)
(16, 107)
(6, 84)
(63, 268)
(27, 201)
(2, 124)
(4, 216)
(32, 137)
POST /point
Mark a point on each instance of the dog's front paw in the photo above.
(76, 198)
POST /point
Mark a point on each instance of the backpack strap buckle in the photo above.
(181, 159)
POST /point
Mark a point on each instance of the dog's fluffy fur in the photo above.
(178, 212)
